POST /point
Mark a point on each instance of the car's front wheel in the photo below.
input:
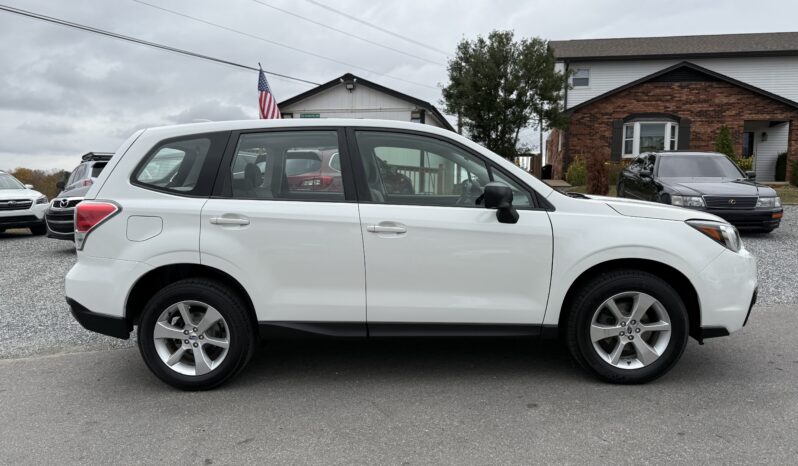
(196, 334)
(627, 326)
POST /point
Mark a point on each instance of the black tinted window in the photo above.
(96, 169)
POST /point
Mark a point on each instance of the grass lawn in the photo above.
(788, 193)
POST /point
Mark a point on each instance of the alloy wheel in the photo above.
(191, 338)
(630, 330)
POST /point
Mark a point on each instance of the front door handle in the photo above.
(387, 228)
(229, 221)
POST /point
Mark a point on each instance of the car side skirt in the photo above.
(290, 330)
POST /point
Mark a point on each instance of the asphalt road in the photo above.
(69, 396)
(734, 400)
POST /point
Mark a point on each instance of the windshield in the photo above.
(697, 166)
(9, 182)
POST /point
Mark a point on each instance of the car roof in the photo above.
(233, 125)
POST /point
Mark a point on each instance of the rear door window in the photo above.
(287, 165)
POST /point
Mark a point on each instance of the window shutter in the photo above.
(617, 140)
(684, 134)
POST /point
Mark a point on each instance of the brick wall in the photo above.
(707, 104)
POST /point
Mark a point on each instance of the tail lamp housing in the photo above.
(89, 215)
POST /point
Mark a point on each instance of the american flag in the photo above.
(266, 102)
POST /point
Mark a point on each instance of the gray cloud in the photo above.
(64, 92)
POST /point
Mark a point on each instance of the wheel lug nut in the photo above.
(196, 344)
(194, 329)
(202, 337)
(185, 341)
(637, 330)
(623, 333)
(623, 324)
(631, 337)
(633, 322)
(185, 332)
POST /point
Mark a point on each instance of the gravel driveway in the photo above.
(34, 318)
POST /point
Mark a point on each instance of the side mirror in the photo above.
(645, 174)
(499, 196)
(751, 175)
(60, 185)
(29, 186)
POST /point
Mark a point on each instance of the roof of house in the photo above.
(680, 68)
(720, 45)
(364, 82)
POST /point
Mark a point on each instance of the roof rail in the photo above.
(94, 156)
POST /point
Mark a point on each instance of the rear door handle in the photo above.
(229, 221)
(393, 228)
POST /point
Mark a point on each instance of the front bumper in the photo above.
(30, 217)
(112, 326)
(60, 218)
(727, 293)
(750, 218)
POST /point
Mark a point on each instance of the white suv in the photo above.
(21, 206)
(209, 236)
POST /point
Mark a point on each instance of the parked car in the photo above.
(60, 216)
(705, 181)
(21, 206)
(203, 264)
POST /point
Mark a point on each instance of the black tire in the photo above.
(38, 230)
(601, 288)
(242, 332)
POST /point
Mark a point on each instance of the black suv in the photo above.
(705, 181)
(60, 214)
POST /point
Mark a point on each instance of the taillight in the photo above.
(90, 214)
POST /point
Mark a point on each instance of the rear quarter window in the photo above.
(185, 166)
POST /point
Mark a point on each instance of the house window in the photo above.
(581, 77)
(649, 136)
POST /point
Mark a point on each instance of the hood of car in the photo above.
(716, 187)
(645, 209)
(19, 194)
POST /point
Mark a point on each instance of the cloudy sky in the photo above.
(65, 92)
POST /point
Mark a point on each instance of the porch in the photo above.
(764, 141)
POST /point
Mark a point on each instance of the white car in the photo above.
(425, 234)
(21, 206)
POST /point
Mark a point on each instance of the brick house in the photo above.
(628, 96)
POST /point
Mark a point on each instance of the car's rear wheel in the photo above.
(38, 230)
(627, 327)
(196, 334)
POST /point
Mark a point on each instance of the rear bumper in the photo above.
(101, 323)
(750, 219)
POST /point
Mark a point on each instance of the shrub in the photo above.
(724, 142)
(615, 169)
(577, 172)
(597, 175)
(781, 167)
(745, 163)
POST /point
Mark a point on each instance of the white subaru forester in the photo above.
(207, 237)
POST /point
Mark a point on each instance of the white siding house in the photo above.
(627, 96)
(349, 96)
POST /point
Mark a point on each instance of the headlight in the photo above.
(723, 233)
(687, 201)
(769, 202)
(42, 200)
